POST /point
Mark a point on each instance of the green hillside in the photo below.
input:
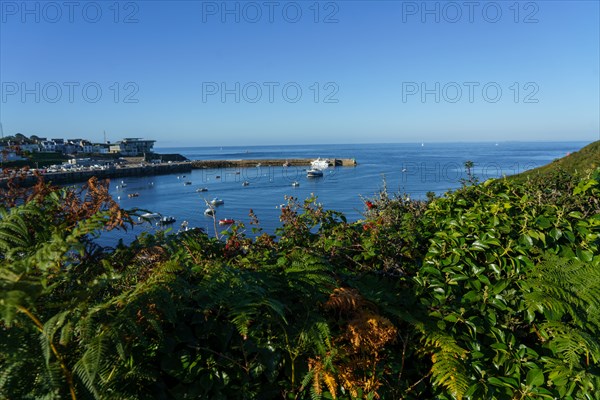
(577, 163)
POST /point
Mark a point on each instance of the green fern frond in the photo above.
(571, 344)
(448, 371)
(448, 368)
(310, 273)
(445, 343)
(49, 330)
(89, 367)
(564, 286)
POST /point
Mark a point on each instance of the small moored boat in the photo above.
(148, 217)
(186, 183)
(202, 189)
(226, 221)
(295, 184)
(166, 220)
(245, 183)
(209, 212)
(314, 173)
(216, 201)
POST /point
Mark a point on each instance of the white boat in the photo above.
(202, 189)
(209, 212)
(149, 217)
(245, 183)
(314, 173)
(320, 163)
(295, 184)
(216, 201)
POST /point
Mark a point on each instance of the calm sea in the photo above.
(409, 168)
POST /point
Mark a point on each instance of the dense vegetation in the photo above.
(489, 292)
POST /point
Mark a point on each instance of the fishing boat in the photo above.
(217, 202)
(314, 173)
(226, 221)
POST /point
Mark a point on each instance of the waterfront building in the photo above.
(100, 148)
(79, 146)
(132, 147)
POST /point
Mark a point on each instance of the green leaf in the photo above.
(543, 222)
(585, 255)
(535, 377)
(555, 233)
(471, 297)
(526, 240)
(451, 318)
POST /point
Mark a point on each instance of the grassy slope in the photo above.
(586, 159)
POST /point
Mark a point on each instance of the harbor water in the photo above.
(410, 168)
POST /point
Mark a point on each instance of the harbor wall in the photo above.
(113, 172)
(167, 168)
(297, 162)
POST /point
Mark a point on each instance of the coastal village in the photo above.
(17, 147)
(74, 160)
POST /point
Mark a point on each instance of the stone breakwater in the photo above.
(82, 175)
(243, 163)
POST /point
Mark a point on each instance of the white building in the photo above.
(132, 147)
(48, 145)
(100, 148)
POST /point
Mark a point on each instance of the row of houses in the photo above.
(128, 147)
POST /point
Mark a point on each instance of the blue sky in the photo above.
(280, 72)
